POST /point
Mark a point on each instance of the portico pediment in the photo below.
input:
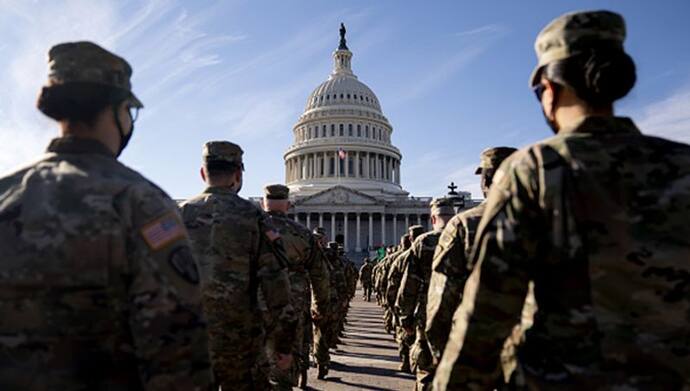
(338, 195)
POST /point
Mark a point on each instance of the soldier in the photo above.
(365, 279)
(240, 253)
(325, 332)
(450, 268)
(308, 278)
(411, 301)
(394, 277)
(597, 219)
(100, 288)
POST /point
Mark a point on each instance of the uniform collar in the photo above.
(598, 124)
(71, 144)
(219, 190)
(276, 213)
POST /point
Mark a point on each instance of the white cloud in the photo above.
(668, 118)
(482, 30)
(164, 42)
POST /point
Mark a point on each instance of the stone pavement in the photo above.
(368, 358)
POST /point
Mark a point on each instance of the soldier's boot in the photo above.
(323, 371)
(303, 379)
(404, 367)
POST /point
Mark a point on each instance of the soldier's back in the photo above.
(72, 233)
(225, 232)
(612, 287)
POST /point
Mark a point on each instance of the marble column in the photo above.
(321, 220)
(366, 166)
(358, 243)
(297, 217)
(345, 242)
(383, 229)
(347, 164)
(309, 220)
(395, 226)
(371, 230)
(407, 221)
(332, 226)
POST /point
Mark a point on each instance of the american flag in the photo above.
(163, 231)
(342, 154)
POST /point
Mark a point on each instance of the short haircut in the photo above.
(78, 102)
(219, 168)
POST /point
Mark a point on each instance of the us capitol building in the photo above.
(343, 171)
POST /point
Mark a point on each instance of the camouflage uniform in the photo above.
(239, 253)
(365, 273)
(597, 218)
(450, 267)
(395, 275)
(308, 275)
(411, 301)
(100, 288)
(325, 333)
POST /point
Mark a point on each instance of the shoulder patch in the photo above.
(183, 262)
(163, 231)
(272, 235)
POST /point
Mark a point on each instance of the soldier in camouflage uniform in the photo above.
(395, 274)
(450, 267)
(410, 304)
(365, 279)
(325, 332)
(388, 310)
(596, 218)
(100, 288)
(308, 278)
(240, 254)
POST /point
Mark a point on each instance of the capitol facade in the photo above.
(343, 171)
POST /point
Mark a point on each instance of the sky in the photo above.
(451, 76)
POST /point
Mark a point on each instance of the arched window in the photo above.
(348, 96)
(341, 130)
(321, 98)
(328, 97)
(359, 130)
(366, 98)
(316, 132)
(323, 131)
(349, 130)
(366, 131)
(341, 96)
(332, 130)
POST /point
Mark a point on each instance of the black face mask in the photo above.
(124, 138)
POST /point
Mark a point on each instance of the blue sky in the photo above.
(451, 76)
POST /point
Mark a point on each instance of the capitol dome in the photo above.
(343, 138)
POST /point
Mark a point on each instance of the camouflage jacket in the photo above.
(597, 218)
(411, 301)
(100, 288)
(337, 275)
(306, 263)
(395, 273)
(449, 272)
(239, 252)
(365, 273)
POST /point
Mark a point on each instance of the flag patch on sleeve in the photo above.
(163, 231)
(272, 235)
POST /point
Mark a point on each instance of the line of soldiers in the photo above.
(107, 284)
(574, 273)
